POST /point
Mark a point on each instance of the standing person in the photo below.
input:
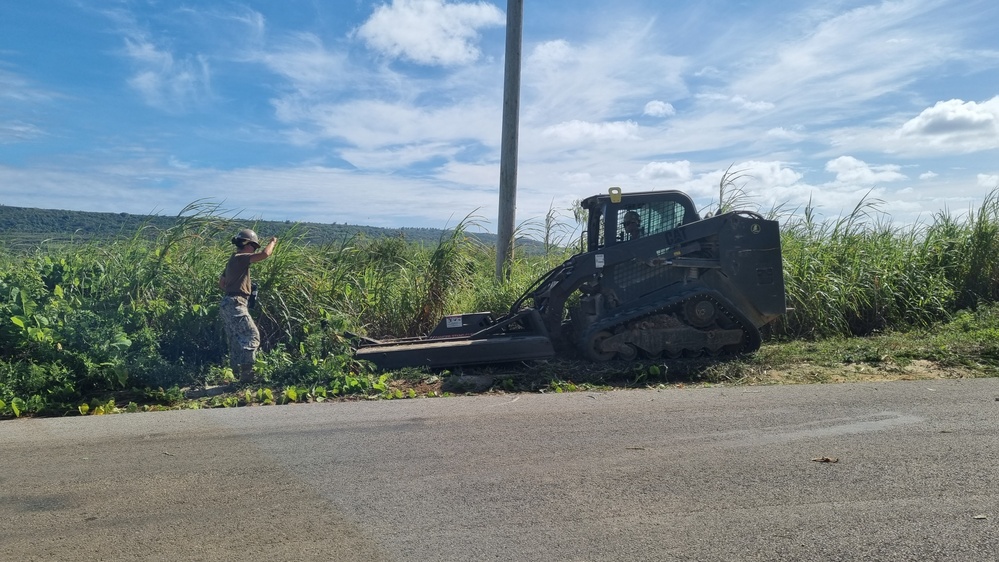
(242, 333)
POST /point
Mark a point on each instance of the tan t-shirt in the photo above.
(237, 275)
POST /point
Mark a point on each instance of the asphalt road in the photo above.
(675, 474)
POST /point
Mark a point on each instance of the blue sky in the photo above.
(389, 113)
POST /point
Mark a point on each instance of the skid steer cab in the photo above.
(656, 280)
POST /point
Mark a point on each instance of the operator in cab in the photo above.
(632, 224)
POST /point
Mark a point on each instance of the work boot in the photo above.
(246, 374)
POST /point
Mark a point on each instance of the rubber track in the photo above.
(751, 336)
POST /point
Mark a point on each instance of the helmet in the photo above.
(246, 236)
(631, 217)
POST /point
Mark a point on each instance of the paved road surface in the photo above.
(692, 474)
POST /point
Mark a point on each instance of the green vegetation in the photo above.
(860, 274)
(123, 323)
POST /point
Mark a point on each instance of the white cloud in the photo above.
(16, 88)
(850, 170)
(375, 125)
(251, 24)
(576, 130)
(163, 81)
(768, 183)
(550, 55)
(657, 108)
(18, 131)
(603, 78)
(766, 175)
(174, 49)
(175, 162)
(431, 32)
(666, 170)
(928, 175)
(990, 181)
(478, 176)
(376, 118)
(309, 66)
(115, 189)
(843, 61)
(781, 133)
(760, 106)
(954, 126)
(395, 157)
(739, 102)
(708, 72)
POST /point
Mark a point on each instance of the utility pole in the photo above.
(508, 147)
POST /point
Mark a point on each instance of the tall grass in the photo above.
(967, 250)
(860, 274)
(79, 320)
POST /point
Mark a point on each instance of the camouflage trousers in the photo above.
(242, 333)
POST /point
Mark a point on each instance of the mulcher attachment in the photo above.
(464, 339)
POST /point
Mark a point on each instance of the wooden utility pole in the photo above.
(508, 147)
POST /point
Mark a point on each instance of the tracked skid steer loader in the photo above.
(656, 280)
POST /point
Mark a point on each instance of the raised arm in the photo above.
(265, 252)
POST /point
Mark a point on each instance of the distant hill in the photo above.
(26, 228)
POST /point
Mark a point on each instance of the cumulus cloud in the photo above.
(657, 108)
(928, 175)
(666, 170)
(583, 130)
(850, 170)
(955, 126)
(430, 32)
